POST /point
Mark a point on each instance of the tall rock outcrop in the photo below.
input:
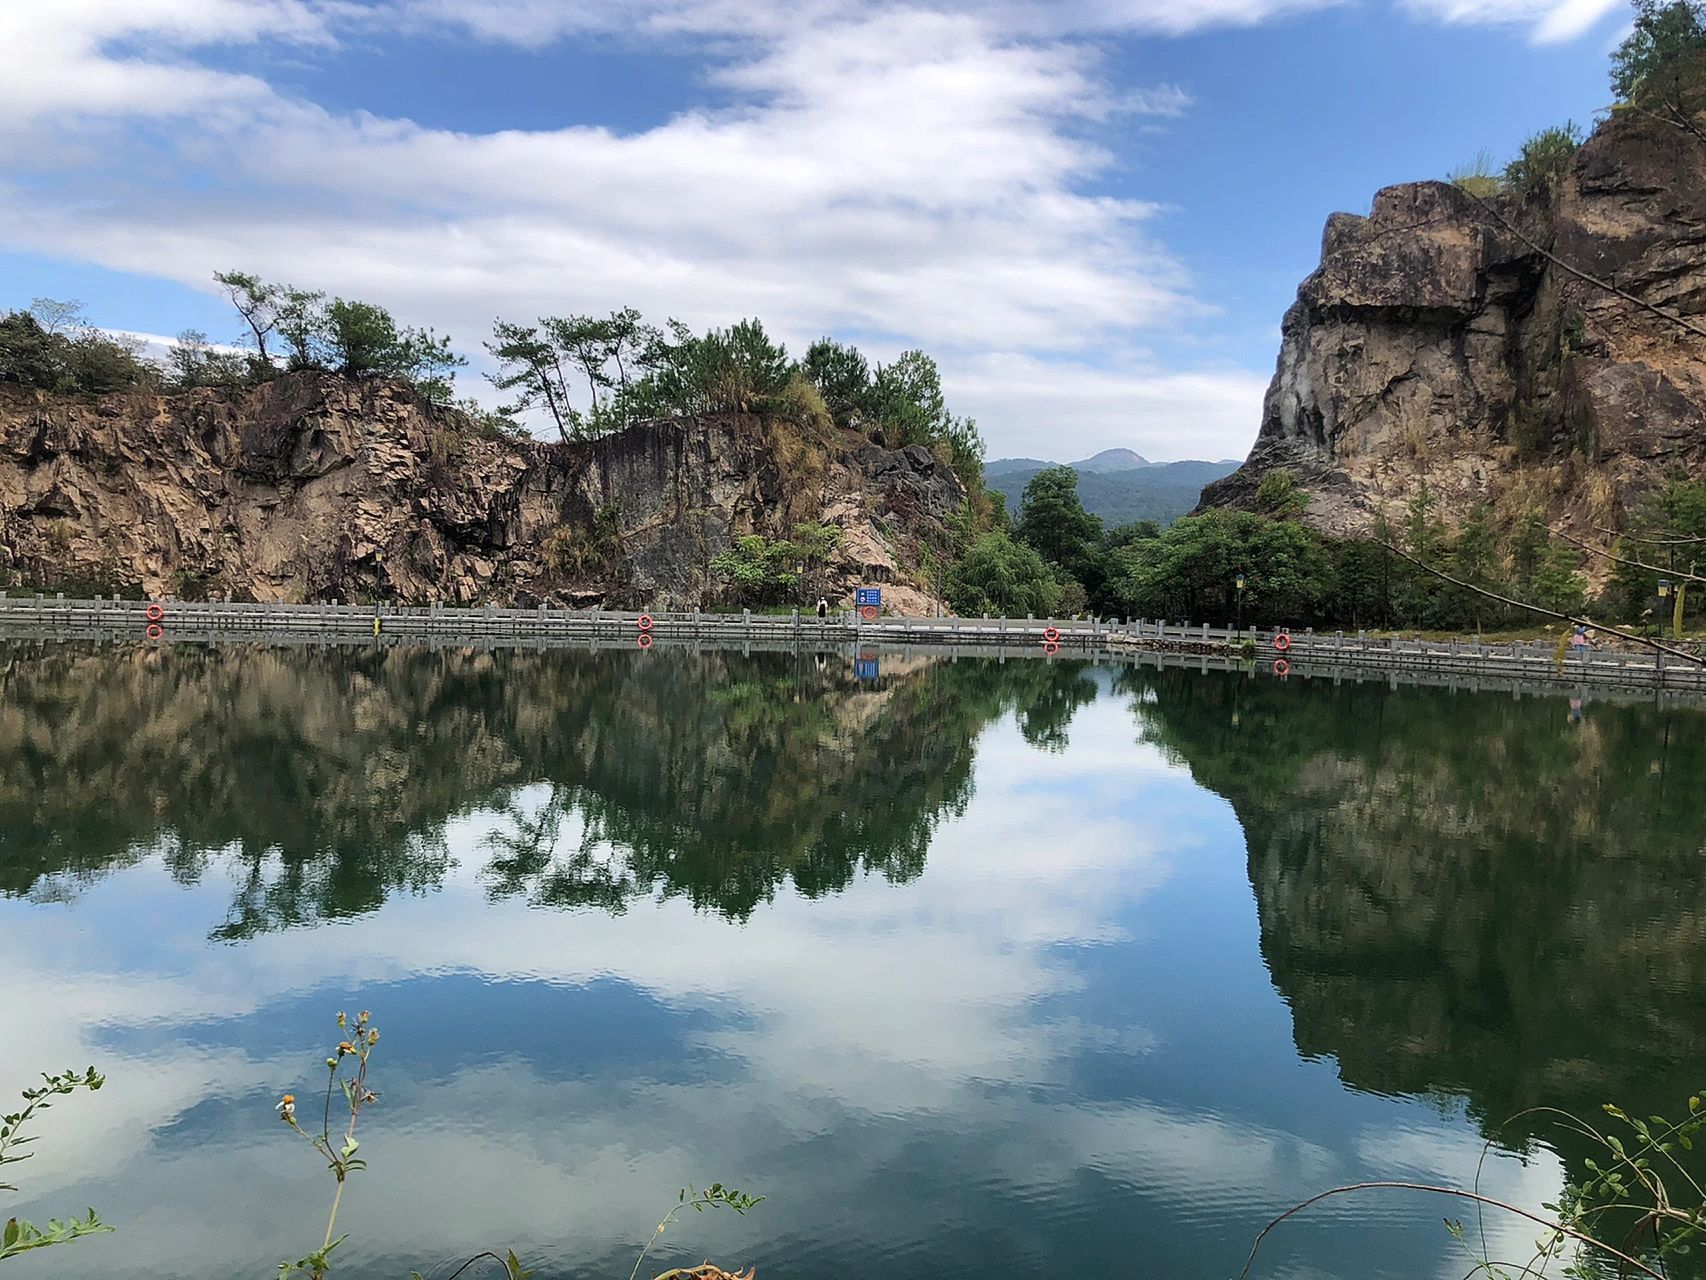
(1444, 338)
(316, 487)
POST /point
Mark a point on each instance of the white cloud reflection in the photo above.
(855, 1027)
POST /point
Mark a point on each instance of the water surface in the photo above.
(971, 967)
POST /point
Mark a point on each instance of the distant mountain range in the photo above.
(1117, 484)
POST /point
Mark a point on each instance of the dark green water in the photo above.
(971, 968)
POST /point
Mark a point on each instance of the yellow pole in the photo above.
(1676, 613)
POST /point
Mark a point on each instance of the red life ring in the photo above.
(645, 640)
(1282, 668)
(644, 622)
(1051, 635)
(869, 613)
(154, 631)
(1050, 647)
(1282, 640)
(154, 613)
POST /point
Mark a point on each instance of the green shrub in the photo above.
(1544, 160)
(1003, 578)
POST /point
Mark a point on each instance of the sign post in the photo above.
(869, 601)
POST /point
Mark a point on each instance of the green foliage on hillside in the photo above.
(759, 571)
(1292, 575)
(1162, 492)
(53, 347)
(1666, 34)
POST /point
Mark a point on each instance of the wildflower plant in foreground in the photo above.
(346, 1072)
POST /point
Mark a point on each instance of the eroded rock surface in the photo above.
(1438, 340)
(316, 487)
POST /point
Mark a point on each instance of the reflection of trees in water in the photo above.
(327, 777)
(1467, 895)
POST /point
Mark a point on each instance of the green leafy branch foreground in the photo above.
(20, 1236)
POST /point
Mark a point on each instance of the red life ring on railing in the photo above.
(154, 613)
(1282, 640)
(1282, 668)
(1051, 635)
(154, 631)
(645, 640)
(1050, 647)
(869, 613)
(644, 622)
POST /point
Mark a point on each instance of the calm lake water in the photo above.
(971, 968)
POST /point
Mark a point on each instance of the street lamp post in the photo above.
(1659, 622)
(1239, 581)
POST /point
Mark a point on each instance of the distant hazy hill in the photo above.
(1117, 484)
(1112, 460)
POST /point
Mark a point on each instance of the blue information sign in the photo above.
(865, 667)
(868, 595)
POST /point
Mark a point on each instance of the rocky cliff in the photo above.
(316, 487)
(1456, 340)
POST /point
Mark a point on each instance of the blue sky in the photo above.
(1093, 212)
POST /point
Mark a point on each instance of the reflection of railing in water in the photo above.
(1458, 665)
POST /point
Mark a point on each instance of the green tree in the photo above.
(588, 343)
(300, 322)
(906, 400)
(1528, 545)
(85, 361)
(363, 341)
(1556, 583)
(1475, 550)
(1053, 520)
(1424, 530)
(842, 376)
(194, 362)
(1666, 538)
(1666, 32)
(1191, 570)
(1003, 578)
(258, 303)
(734, 370)
(531, 366)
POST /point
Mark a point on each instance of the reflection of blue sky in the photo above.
(1056, 1049)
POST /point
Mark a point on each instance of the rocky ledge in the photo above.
(316, 487)
(1456, 341)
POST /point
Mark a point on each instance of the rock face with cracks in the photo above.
(1455, 340)
(314, 487)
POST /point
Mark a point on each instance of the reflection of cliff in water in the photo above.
(328, 776)
(1465, 894)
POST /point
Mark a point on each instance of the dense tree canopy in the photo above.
(52, 347)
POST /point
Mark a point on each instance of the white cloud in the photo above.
(56, 57)
(1550, 21)
(904, 172)
(1077, 409)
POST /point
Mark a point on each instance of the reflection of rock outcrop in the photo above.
(328, 775)
(1468, 895)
